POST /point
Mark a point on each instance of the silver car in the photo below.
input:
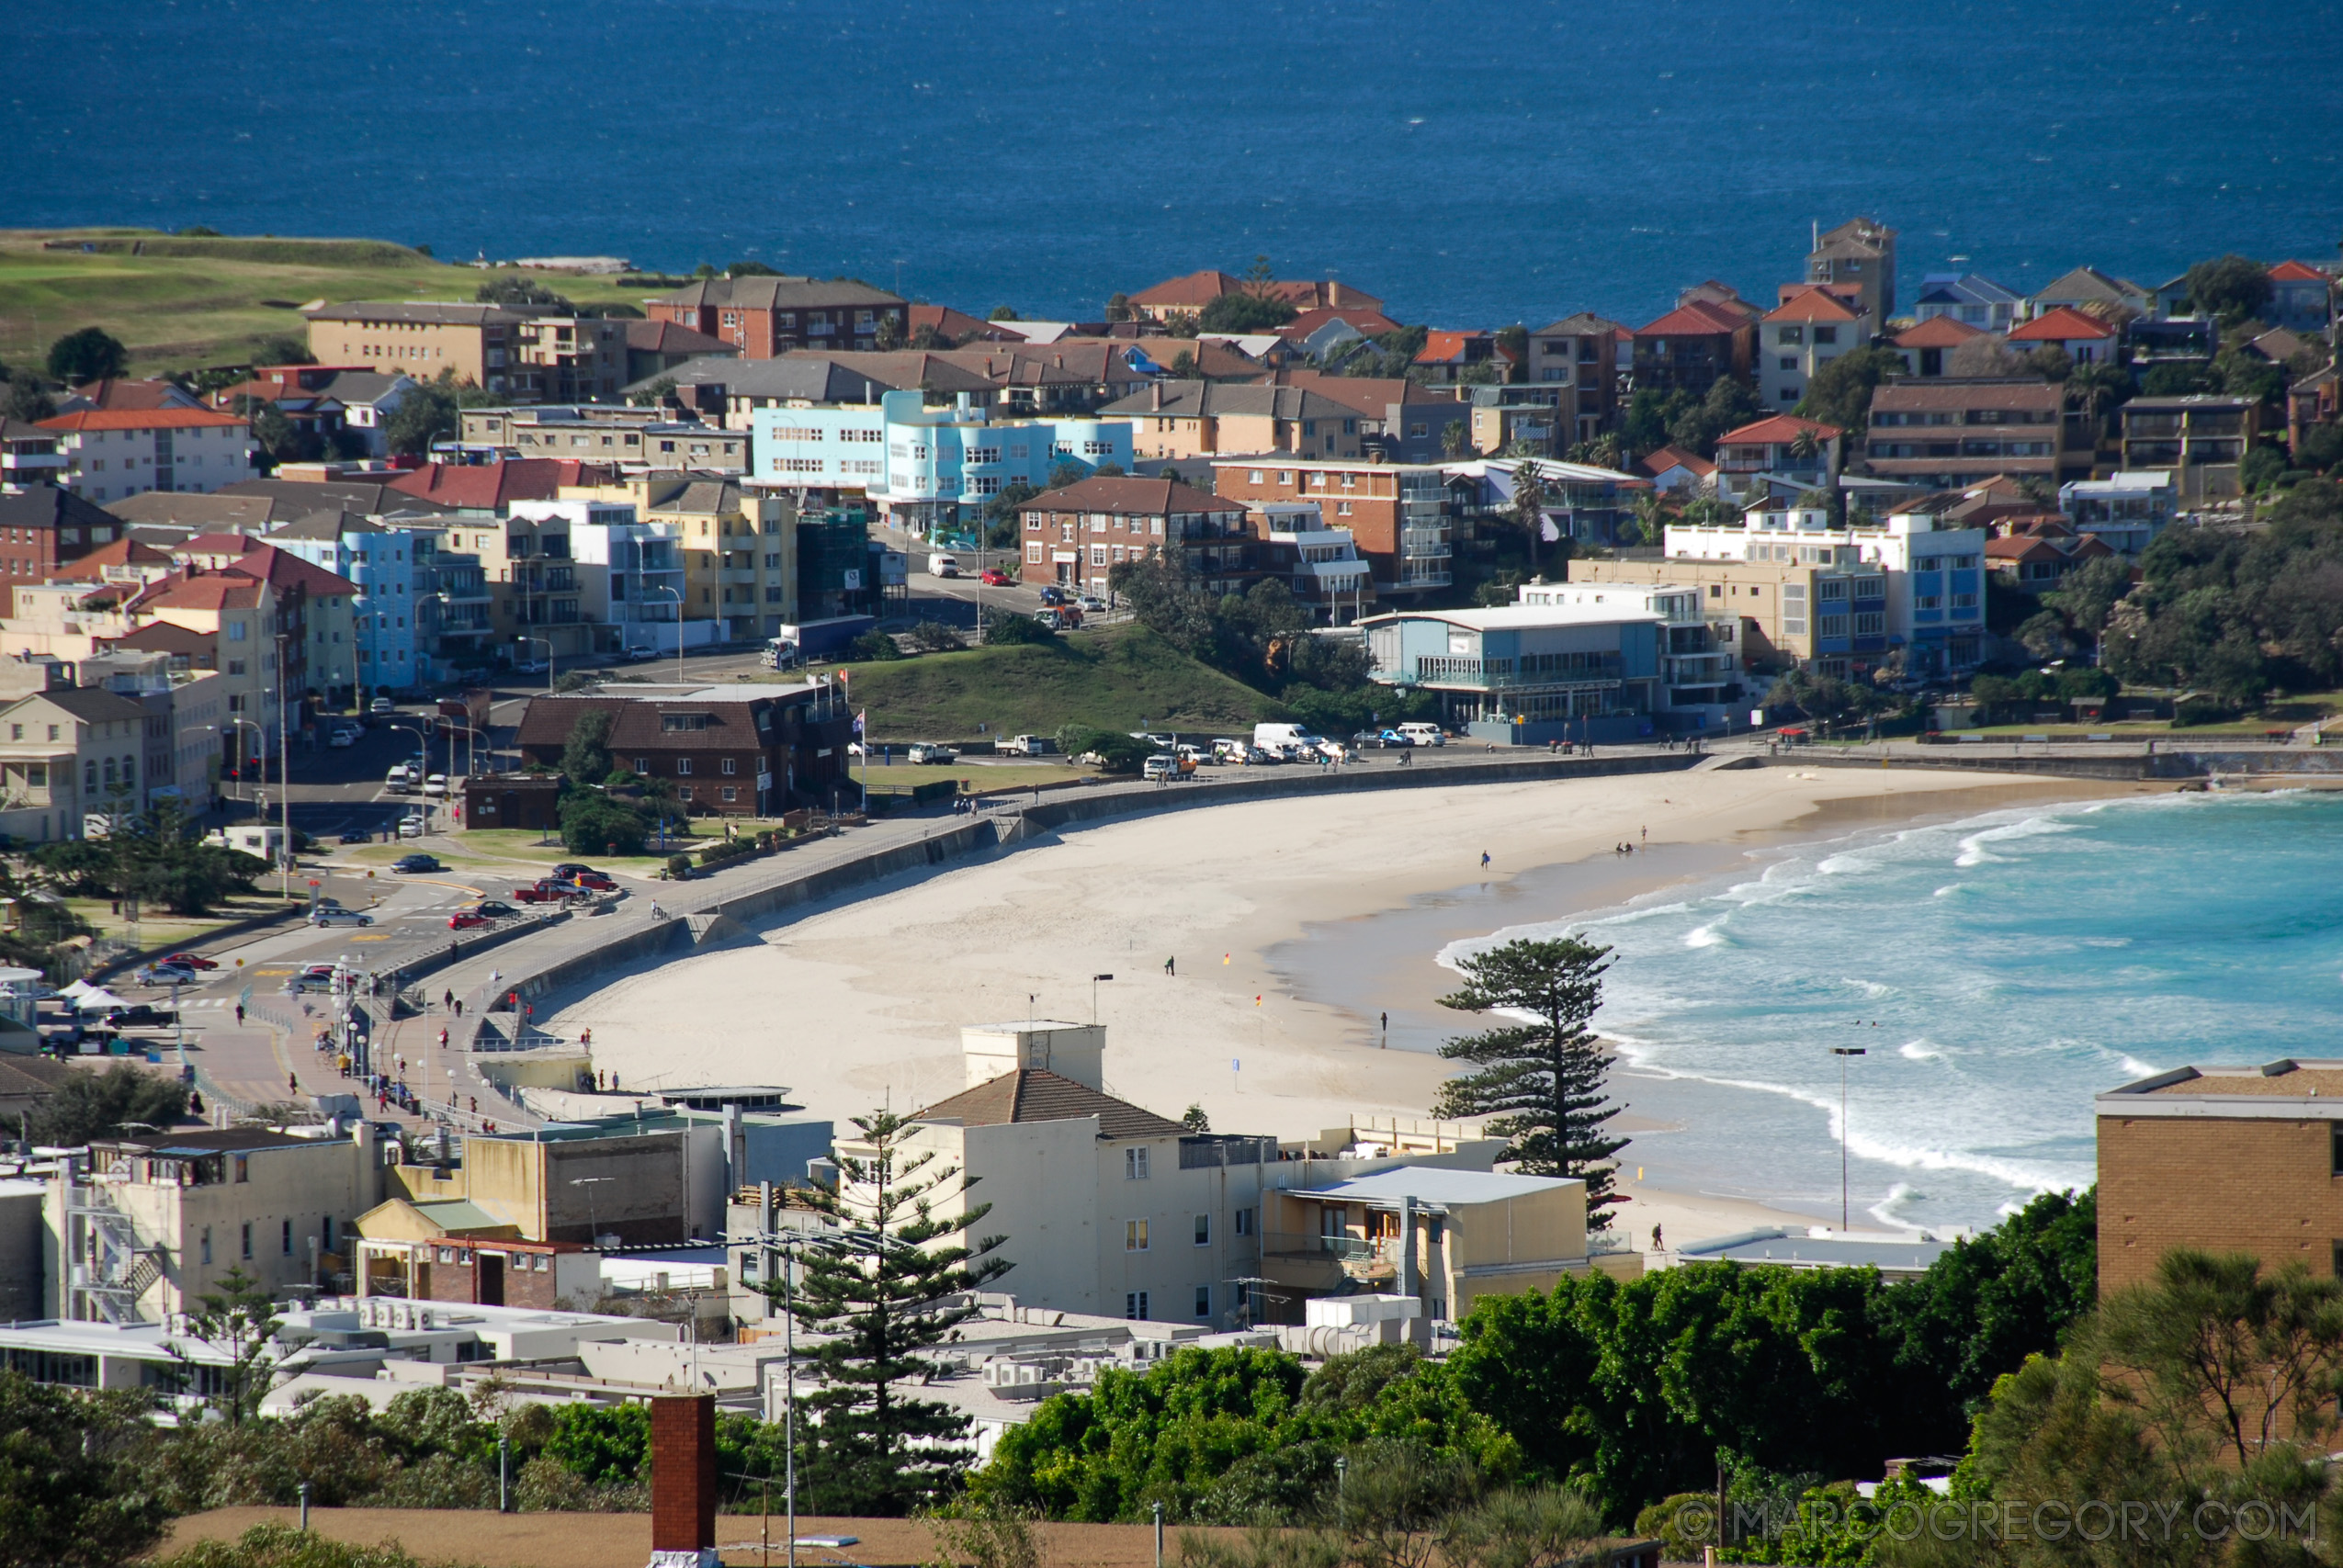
(339, 916)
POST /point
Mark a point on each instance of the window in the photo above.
(731, 766)
(1787, 336)
(1135, 1305)
(244, 1173)
(247, 1238)
(2335, 1147)
(1135, 1165)
(1871, 625)
(288, 1238)
(1203, 1230)
(1964, 600)
(1825, 335)
(683, 764)
(1033, 551)
(685, 792)
(732, 794)
(1098, 555)
(1789, 362)
(1135, 1236)
(1203, 1301)
(642, 764)
(1244, 1222)
(207, 1245)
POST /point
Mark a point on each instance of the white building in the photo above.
(629, 573)
(1695, 664)
(113, 453)
(926, 463)
(1924, 585)
(2127, 510)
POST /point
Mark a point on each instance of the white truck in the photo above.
(940, 565)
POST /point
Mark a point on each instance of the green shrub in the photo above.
(679, 866)
(2190, 711)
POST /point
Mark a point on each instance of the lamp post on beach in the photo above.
(1843, 1053)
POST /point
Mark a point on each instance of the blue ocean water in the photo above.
(1998, 971)
(1471, 164)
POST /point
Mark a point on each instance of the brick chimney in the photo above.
(683, 1482)
(1155, 395)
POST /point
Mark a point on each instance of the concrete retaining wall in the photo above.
(2128, 764)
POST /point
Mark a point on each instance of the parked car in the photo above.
(930, 751)
(592, 881)
(189, 961)
(996, 578)
(435, 785)
(637, 654)
(1055, 619)
(411, 826)
(530, 667)
(464, 920)
(940, 565)
(344, 735)
(547, 892)
(1052, 594)
(358, 836)
(312, 977)
(1424, 734)
(400, 780)
(381, 705)
(1090, 603)
(569, 868)
(337, 916)
(165, 975)
(416, 862)
(139, 1016)
(496, 910)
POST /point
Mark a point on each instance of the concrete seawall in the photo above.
(2174, 764)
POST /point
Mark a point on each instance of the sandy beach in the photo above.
(858, 1005)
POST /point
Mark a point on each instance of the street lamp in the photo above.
(594, 1226)
(525, 641)
(787, 1243)
(1843, 1053)
(677, 595)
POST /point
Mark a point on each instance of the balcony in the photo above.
(1506, 674)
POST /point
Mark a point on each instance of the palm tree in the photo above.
(1529, 504)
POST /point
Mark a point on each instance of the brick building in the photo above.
(1404, 516)
(766, 317)
(730, 753)
(422, 338)
(1074, 537)
(2244, 1158)
(43, 528)
(1951, 432)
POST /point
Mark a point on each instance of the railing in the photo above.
(1336, 1248)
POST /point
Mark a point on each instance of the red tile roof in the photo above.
(493, 486)
(1810, 304)
(2063, 324)
(1698, 319)
(198, 589)
(2295, 272)
(1448, 348)
(1197, 288)
(141, 419)
(1373, 323)
(1937, 332)
(1667, 457)
(1128, 496)
(1779, 430)
(958, 324)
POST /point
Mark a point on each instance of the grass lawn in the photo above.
(160, 930)
(1112, 678)
(183, 303)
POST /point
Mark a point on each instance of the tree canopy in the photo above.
(2231, 287)
(1244, 313)
(102, 1105)
(1839, 391)
(93, 354)
(71, 1490)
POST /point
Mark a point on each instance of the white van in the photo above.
(943, 566)
(1281, 738)
(1424, 735)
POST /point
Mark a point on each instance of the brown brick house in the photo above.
(729, 752)
(42, 529)
(768, 317)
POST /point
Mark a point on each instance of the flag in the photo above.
(859, 716)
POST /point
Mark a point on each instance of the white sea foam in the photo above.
(1709, 935)
(1919, 1051)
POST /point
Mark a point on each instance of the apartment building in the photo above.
(629, 438)
(570, 359)
(1321, 566)
(1799, 452)
(2201, 439)
(1956, 431)
(1075, 536)
(67, 753)
(735, 751)
(2223, 1158)
(1399, 421)
(1859, 254)
(479, 343)
(43, 529)
(765, 317)
(1404, 516)
(1518, 418)
(1688, 349)
(112, 453)
(537, 610)
(1580, 353)
(1203, 419)
(737, 549)
(1810, 328)
(393, 603)
(1696, 665)
(628, 574)
(923, 464)
(238, 618)
(141, 1228)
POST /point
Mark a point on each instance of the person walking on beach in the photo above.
(1387, 1032)
(1654, 1240)
(1172, 966)
(1484, 860)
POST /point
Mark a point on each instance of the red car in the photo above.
(547, 892)
(996, 578)
(464, 920)
(189, 961)
(593, 882)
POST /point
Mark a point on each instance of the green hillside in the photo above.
(184, 301)
(1112, 679)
